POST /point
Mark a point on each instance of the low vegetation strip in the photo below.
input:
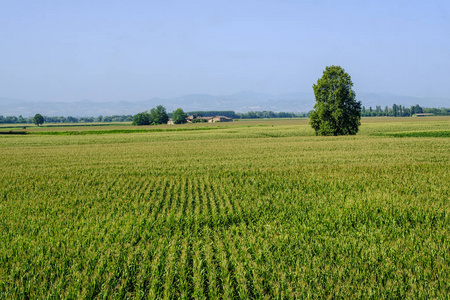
(434, 133)
(114, 131)
(88, 131)
(12, 132)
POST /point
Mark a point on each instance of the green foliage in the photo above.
(179, 116)
(336, 111)
(403, 111)
(198, 120)
(142, 118)
(38, 119)
(255, 210)
(213, 113)
(416, 109)
(248, 115)
(159, 115)
(71, 119)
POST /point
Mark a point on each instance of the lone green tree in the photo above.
(336, 111)
(179, 116)
(38, 119)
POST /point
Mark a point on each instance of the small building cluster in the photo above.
(194, 119)
(214, 119)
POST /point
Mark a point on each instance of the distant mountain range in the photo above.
(240, 102)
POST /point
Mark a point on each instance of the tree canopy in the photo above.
(38, 119)
(156, 116)
(336, 111)
(142, 118)
(179, 116)
(159, 115)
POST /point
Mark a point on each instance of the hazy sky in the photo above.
(136, 50)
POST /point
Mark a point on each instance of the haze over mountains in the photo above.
(240, 102)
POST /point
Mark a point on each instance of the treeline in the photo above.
(270, 114)
(69, 119)
(378, 111)
(155, 116)
(248, 115)
(145, 115)
(402, 111)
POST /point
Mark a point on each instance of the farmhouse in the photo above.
(221, 119)
(190, 118)
(214, 119)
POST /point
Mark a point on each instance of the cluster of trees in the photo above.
(15, 120)
(179, 116)
(270, 114)
(248, 115)
(99, 119)
(69, 119)
(156, 116)
(402, 111)
(159, 115)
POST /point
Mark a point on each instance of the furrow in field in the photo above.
(168, 195)
(252, 252)
(241, 274)
(218, 204)
(197, 206)
(157, 200)
(232, 212)
(182, 204)
(226, 267)
(212, 268)
(207, 212)
(171, 268)
(185, 267)
(157, 268)
(198, 279)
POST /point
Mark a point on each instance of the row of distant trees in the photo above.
(249, 115)
(69, 119)
(393, 111)
(159, 115)
(155, 116)
(402, 111)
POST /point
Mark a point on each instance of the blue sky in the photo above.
(136, 50)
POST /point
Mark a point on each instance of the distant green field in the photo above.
(248, 209)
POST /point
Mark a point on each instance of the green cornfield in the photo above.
(242, 210)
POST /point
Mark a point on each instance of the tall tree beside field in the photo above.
(38, 119)
(179, 116)
(336, 111)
